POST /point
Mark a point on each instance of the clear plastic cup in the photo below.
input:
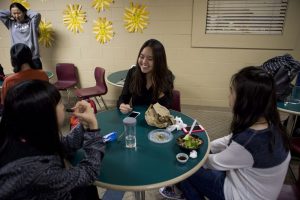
(130, 132)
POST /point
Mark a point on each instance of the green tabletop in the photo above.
(117, 78)
(292, 108)
(49, 74)
(149, 165)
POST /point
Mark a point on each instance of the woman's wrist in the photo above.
(93, 130)
(93, 125)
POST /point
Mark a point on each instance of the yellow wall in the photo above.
(202, 74)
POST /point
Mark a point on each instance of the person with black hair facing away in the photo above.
(251, 162)
(150, 81)
(33, 151)
(21, 60)
(23, 25)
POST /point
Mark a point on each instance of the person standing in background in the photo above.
(23, 25)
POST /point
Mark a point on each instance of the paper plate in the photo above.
(160, 136)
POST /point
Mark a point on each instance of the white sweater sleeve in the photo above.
(233, 157)
(220, 144)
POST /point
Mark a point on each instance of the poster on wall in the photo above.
(23, 2)
(103, 30)
(46, 33)
(101, 5)
(74, 17)
(136, 18)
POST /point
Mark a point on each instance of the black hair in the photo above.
(159, 73)
(19, 6)
(255, 97)
(30, 113)
(20, 54)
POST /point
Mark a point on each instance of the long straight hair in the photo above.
(160, 73)
(30, 113)
(255, 98)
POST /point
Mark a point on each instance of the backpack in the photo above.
(74, 121)
(283, 69)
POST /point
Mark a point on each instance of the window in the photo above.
(261, 24)
(246, 17)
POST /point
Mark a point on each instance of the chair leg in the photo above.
(291, 170)
(68, 93)
(98, 103)
(104, 102)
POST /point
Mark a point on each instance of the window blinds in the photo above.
(246, 16)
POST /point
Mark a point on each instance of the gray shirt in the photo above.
(25, 32)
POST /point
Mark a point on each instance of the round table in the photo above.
(150, 165)
(117, 78)
(49, 74)
(293, 110)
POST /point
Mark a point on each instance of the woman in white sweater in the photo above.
(251, 162)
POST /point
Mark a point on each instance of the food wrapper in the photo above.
(178, 125)
(158, 116)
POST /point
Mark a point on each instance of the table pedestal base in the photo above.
(140, 195)
(292, 120)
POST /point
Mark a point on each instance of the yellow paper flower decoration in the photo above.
(46, 33)
(23, 2)
(103, 30)
(136, 18)
(74, 17)
(101, 5)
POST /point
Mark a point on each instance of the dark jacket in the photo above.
(146, 97)
(39, 176)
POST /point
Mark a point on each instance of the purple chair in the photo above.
(98, 90)
(176, 101)
(66, 77)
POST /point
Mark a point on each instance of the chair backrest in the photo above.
(66, 72)
(176, 101)
(100, 78)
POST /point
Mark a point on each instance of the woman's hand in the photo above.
(125, 108)
(85, 113)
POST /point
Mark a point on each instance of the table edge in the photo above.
(161, 184)
(111, 83)
(288, 111)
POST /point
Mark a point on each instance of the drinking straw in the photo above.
(192, 128)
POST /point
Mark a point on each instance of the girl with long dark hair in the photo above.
(32, 149)
(251, 162)
(150, 81)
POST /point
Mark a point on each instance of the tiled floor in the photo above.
(216, 122)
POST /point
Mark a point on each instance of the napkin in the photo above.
(178, 125)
